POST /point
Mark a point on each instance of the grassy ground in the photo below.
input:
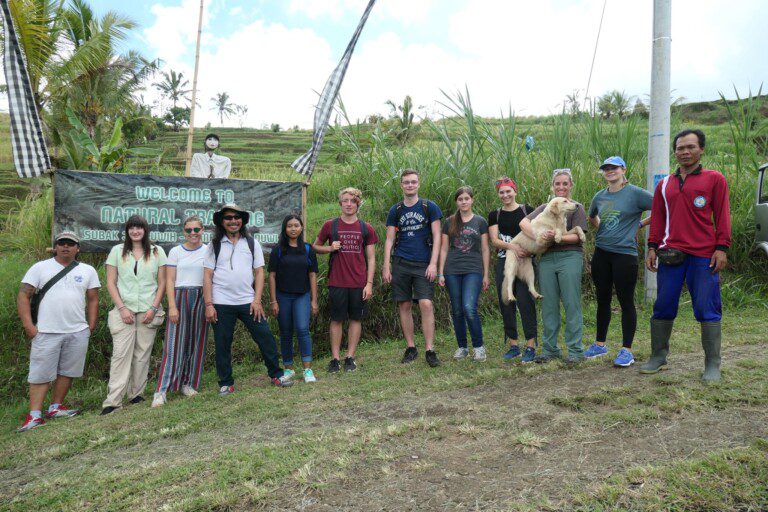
(464, 436)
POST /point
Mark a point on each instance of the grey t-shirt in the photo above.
(620, 214)
(464, 250)
(578, 217)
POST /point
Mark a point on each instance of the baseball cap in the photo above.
(614, 161)
(67, 235)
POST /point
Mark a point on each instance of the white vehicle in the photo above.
(761, 209)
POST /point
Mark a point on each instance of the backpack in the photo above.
(335, 236)
(307, 248)
(426, 223)
(217, 249)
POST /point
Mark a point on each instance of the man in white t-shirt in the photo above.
(233, 281)
(64, 324)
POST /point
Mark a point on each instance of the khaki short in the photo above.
(54, 354)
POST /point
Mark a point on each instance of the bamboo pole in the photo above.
(191, 131)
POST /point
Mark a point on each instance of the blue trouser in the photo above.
(294, 315)
(464, 290)
(223, 331)
(703, 285)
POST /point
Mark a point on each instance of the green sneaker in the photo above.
(288, 373)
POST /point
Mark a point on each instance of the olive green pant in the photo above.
(560, 280)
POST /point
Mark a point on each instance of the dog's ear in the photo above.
(555, 207)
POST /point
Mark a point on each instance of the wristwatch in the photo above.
(155, 309)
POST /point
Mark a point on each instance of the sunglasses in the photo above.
(232, 217)
(193, 230)
(67, 243)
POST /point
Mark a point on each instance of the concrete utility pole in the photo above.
(659, 120)
(191, 131)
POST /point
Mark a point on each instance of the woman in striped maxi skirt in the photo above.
(186, 333)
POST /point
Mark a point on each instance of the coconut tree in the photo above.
(173, 86)
(402, 115)
(222, 106)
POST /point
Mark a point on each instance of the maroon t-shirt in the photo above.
(348, 270)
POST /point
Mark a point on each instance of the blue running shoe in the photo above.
(529, 354)
(625, 358)
(512, 353)
(595, 350)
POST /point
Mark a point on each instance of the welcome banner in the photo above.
(95, 205)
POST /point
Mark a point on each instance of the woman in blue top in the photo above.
(293, 292)
(615, 212)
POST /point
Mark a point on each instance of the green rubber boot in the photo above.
(710, 340)
(661, 330)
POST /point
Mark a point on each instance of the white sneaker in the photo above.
(158, 400)
(288, 373)
(480, 355)
(460, 353)
(309, 375)
(188, 390)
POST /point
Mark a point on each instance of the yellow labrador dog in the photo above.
(553, 218)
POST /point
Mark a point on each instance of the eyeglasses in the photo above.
(410, 182)
(193, 230)
(67, 243)
(232, 217)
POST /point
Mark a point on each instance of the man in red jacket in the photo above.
(690, 233)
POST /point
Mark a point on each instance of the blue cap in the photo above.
(614, 160)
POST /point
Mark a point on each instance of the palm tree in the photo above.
(403, 117)
(173, 86)
(222, 106)
(242, 113)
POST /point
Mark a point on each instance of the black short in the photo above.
(347, 303)
(409, 281)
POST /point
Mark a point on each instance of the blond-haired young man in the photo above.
(352, 263)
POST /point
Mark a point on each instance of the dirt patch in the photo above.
(495, 446)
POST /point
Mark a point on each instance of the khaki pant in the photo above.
(131, 350)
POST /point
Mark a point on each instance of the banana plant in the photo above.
(82, 152)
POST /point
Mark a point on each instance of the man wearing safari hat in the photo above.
(233, 282)
(58, 306)
(210, 164)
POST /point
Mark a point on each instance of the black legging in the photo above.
(611, 269)
(524, 301)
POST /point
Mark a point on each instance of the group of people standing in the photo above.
(223, 282)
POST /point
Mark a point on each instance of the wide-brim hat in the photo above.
(217, 216)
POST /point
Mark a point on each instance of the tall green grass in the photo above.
(461, 149)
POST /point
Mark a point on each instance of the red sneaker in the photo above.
(61, 412)
(30, 423)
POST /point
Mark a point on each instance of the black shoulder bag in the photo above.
(34, 304)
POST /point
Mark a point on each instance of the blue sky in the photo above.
(273, 55)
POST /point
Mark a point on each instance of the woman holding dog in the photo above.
(615, 212)
(463, 267)
(560, 271)
(503, 226)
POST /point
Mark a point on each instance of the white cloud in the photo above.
(405, 11)
(174, 33)
(528, 56)
(235, 11)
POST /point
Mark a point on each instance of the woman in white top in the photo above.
(186, 334)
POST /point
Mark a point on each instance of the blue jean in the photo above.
(294, 315)
(703, 285)
(464, 290)
(223, 332)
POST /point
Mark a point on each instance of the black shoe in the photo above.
(333, 366)
(136, 400)
(107, 410)
(544, 358)
(410, 355)
(432, 359)
(349, 364)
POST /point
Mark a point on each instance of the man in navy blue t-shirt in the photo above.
(413, 230)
